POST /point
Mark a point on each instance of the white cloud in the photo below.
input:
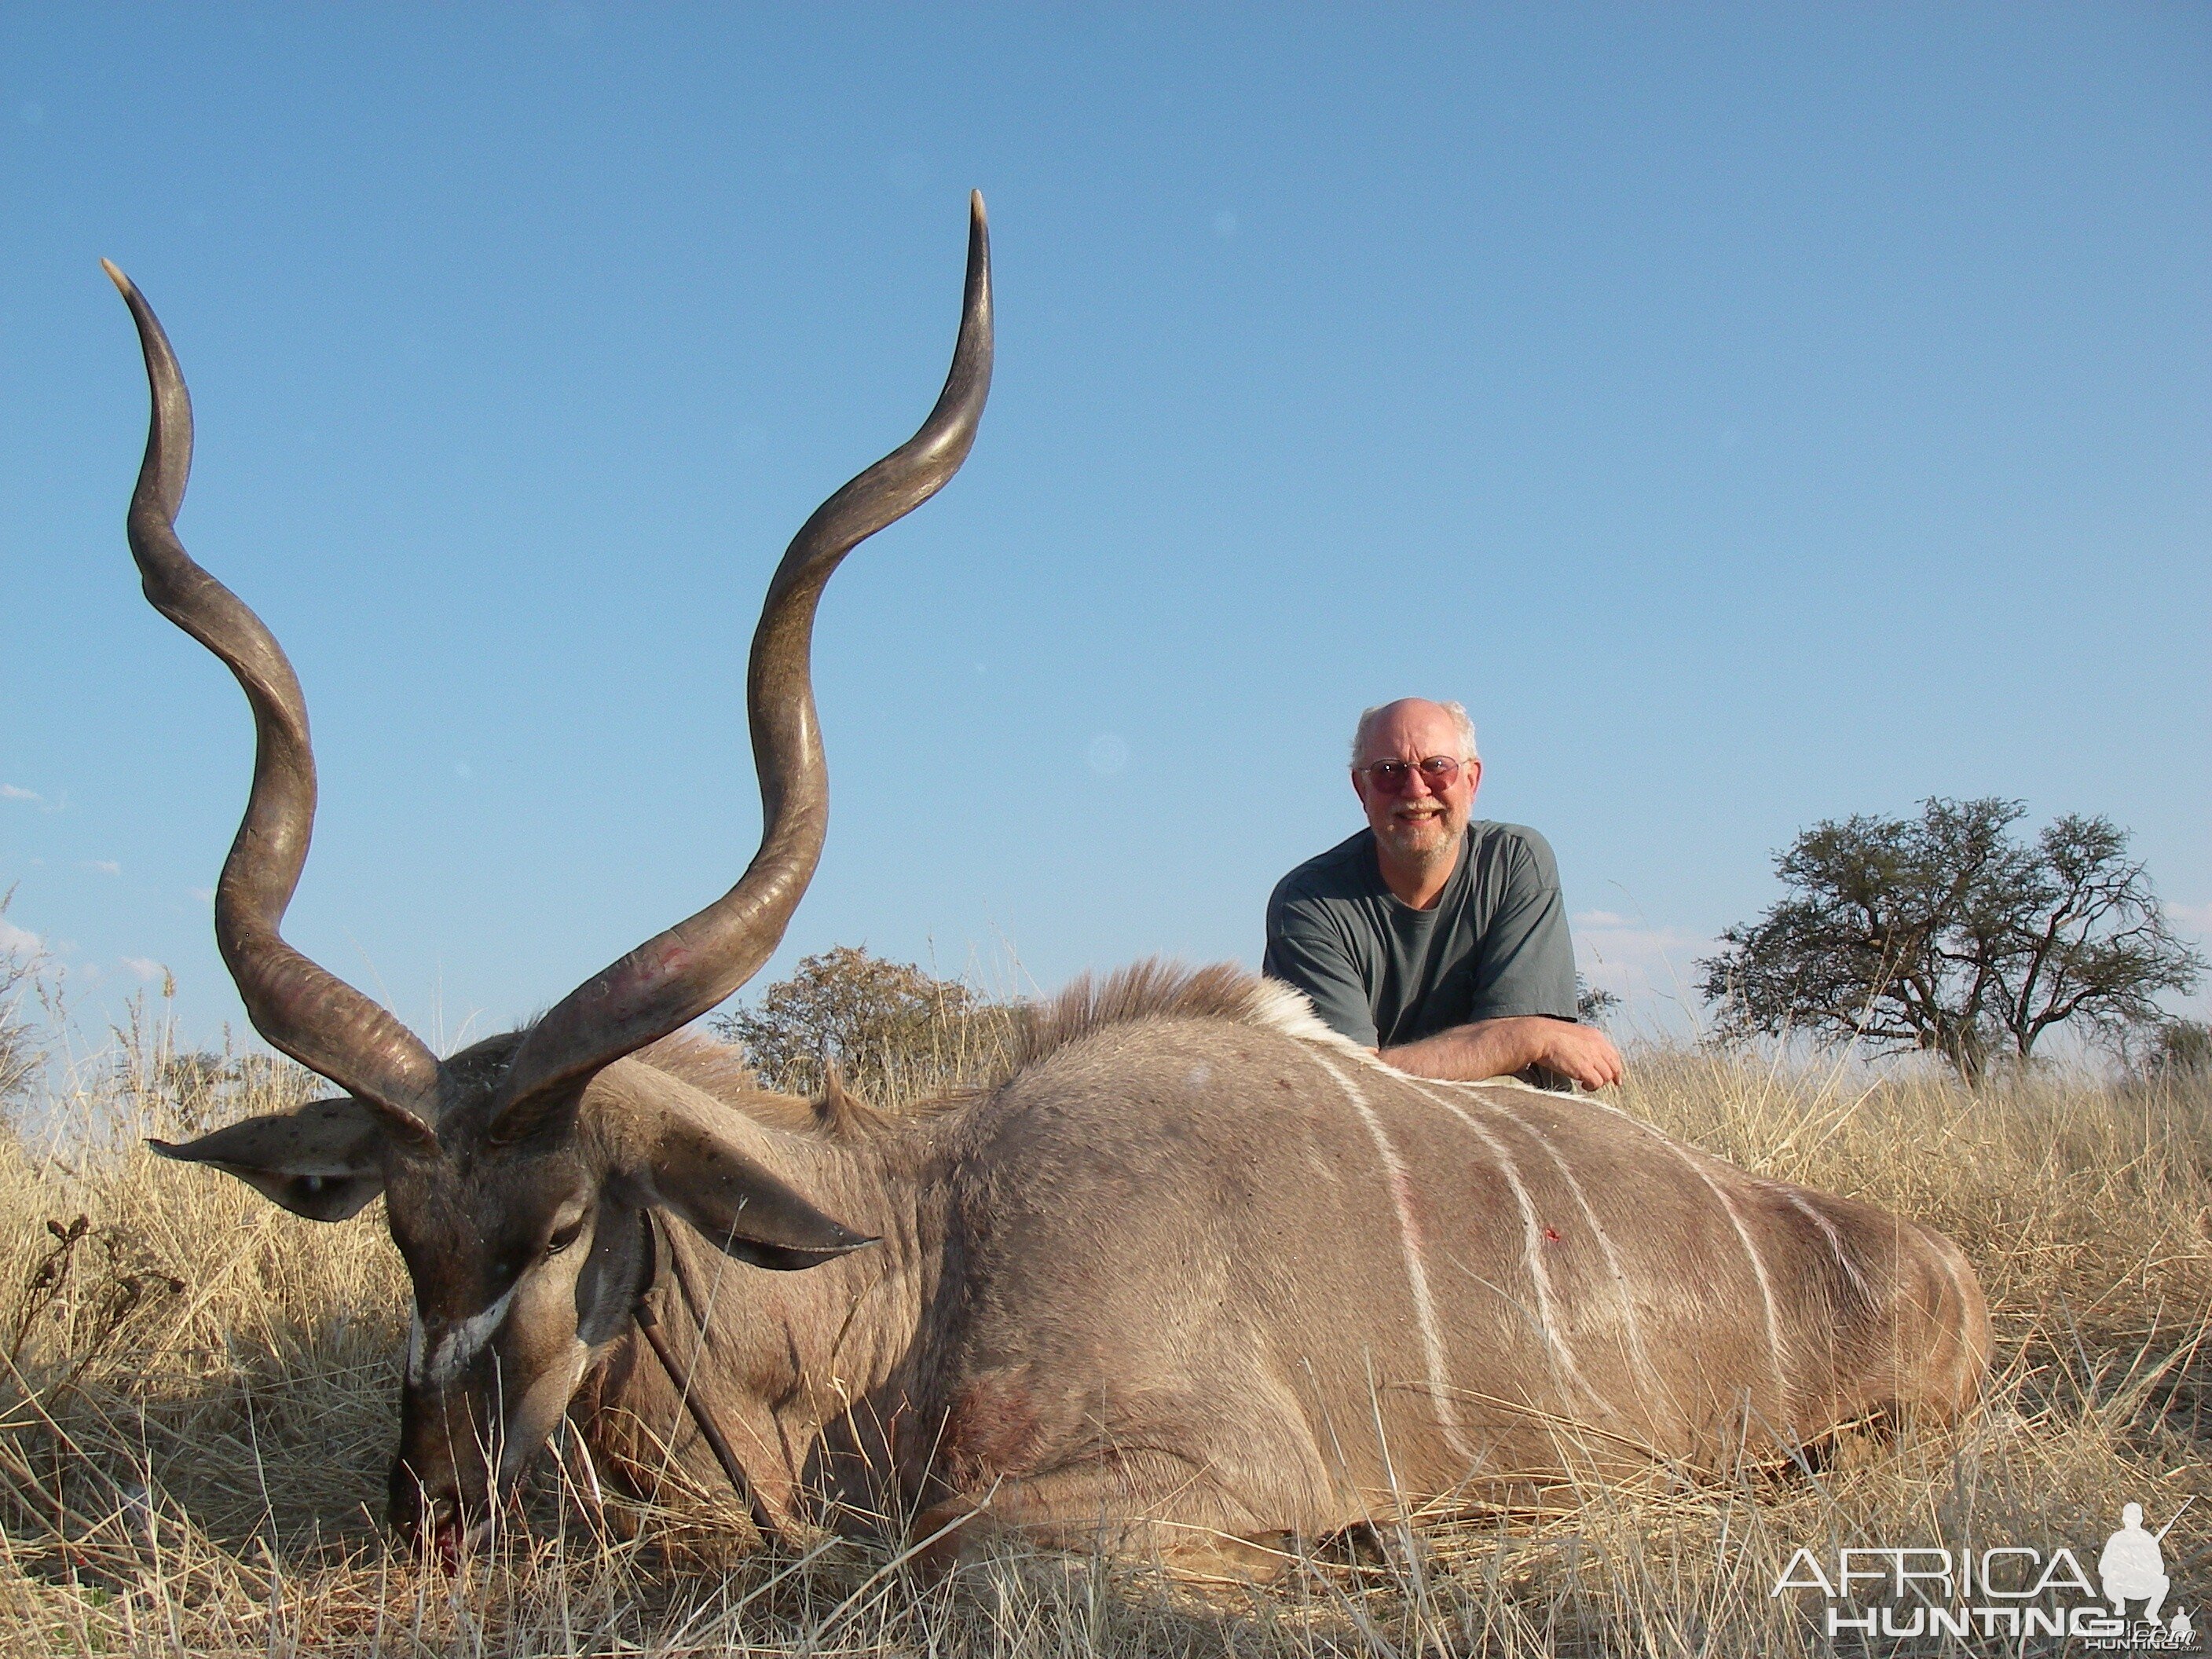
(101, 866)
(21, 940)
(146, 968)
(2190, 918)
(10, 791)
(200, 895)
(1653, 970)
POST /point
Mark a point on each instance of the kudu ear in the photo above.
(324, 1161)
(737, 1206)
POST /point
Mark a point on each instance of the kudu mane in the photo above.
(1157, 990)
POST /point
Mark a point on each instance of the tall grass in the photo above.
(197, 1406)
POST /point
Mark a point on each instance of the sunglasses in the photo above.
(1437, 771)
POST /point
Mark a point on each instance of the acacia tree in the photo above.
(1946, 933)
(1594, 1004)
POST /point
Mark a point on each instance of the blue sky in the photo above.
(1755, 413)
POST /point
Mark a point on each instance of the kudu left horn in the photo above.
(673, 978)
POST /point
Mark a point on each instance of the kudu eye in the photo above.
(565, 1237)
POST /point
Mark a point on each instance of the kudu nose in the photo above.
(426, 1516)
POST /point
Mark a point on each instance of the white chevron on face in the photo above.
(458, 1343)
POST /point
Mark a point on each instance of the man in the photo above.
(1439, 943)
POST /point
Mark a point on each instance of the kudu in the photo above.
(1195, 1275)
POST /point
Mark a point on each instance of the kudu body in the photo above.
(1195, 1272)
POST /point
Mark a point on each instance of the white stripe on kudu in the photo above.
(1409, 1234)
(1632, 1316)
(1828, 1231)
(1758, 1271)
(1776, 1349)
(1532, 1247)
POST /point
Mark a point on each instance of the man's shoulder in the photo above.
(1347, 871)
(1515, 843)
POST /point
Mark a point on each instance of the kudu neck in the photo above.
(853, 1319)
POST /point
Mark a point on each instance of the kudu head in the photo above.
(516, 1174)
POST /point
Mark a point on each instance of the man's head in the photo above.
(1417, 816)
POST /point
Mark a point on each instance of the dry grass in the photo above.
(199, 1402)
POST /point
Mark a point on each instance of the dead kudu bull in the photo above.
(1195, 1273)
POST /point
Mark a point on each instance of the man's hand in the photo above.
(1499, 1047)
(1583, 1052)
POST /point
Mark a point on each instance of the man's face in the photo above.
(1420, 823)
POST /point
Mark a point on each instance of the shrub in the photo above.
(893, 1030)
(2182, 1047)
(22, 1053)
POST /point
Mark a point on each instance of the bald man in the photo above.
(1437, 939)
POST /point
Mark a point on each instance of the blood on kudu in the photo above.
(1194, 1271)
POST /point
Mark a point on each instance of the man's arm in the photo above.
(1499, 1047)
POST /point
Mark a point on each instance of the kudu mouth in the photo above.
(445, 1512)
(331, 1028)
(442, 1529)
(432, 1520)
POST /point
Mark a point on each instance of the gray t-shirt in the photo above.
(1382, 973)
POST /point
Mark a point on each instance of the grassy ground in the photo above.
(200, 1401)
